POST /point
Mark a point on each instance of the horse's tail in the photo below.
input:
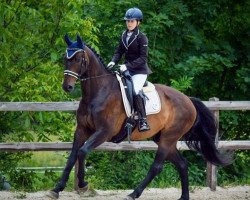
(201, 137)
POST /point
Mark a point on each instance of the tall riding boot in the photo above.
(140, 108)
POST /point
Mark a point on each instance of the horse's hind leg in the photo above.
(82, 184)
(155, 169)
(181, 164)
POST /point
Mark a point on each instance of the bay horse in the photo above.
(101, 115)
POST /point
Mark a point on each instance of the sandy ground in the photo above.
(229, 193)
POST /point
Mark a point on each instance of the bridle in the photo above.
(84, 65)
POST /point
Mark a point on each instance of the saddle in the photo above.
(152, 105)
(150, 94)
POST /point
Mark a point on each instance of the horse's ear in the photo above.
(67, 40)
(79, 41)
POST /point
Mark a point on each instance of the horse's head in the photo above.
(75, 62)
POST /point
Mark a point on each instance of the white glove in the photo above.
(111, 64)
(123, 68)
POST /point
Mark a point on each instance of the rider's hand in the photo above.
(123, 68)
(111, 64)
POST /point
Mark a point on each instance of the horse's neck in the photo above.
(99, 79)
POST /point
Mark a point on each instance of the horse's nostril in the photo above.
(67, 88)
(70, 87)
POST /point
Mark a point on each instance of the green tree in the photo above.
(200, 47)
(31, 51)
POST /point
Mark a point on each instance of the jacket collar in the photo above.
(131, 39)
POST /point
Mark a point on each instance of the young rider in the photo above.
(134, 45)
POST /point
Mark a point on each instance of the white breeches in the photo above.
(138, 81)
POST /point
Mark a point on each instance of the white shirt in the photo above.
(128, 36)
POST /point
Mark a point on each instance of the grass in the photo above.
(45, 159)
(98, 177)
(46, 179)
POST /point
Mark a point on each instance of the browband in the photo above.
(70, 52)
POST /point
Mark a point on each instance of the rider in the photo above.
(134, 44)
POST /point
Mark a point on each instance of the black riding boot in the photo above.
(140, 108)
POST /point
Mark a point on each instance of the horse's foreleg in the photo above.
(155, 169)
(94, 141)
(70, 164)
(181, 164)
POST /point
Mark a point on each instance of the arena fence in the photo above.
(213, 104)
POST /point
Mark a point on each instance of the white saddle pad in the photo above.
(153, 103)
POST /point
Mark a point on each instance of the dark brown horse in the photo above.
(101, 114)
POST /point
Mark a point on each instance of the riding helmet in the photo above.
(133, 13)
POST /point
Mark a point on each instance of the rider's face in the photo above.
(131, 24)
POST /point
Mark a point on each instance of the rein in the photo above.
(83, 64)
(92, 77)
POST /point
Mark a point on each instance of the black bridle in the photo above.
(84, 65)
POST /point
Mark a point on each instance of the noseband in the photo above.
(83, 63)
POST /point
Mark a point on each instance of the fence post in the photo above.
(212, 169)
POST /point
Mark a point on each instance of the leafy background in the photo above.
(200, 47)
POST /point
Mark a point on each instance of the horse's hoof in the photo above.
(53, 195)
(128, 198)
(182, 198)
(87, 192)
(83, 190)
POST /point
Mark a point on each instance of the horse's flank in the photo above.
(176, 109)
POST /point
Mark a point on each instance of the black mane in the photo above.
(98, 56)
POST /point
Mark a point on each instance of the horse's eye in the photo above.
(78, 59)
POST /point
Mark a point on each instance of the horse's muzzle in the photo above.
(68, 87)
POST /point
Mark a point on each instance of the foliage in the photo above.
(199, 47)
(238, 172)
(117, 175)
(31, 49)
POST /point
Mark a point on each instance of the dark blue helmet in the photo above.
(133, 13)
